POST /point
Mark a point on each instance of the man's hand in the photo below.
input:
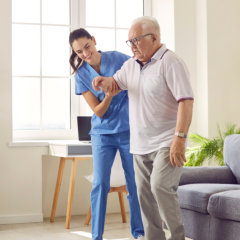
(177, 152)
(106, 83)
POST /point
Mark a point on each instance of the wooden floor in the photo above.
(114, 230)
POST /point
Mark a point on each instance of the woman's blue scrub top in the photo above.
(116, 119)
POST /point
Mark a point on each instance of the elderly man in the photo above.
(160, 112)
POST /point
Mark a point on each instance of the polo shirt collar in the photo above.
(160, 52)
(156, 56)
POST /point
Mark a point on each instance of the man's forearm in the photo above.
(111, 85)
(184, 116)
(115, 85)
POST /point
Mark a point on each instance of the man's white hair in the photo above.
(149, 23)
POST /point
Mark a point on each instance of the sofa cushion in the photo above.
(231, 152)
(216, 174)
(195, 196)
(225, 205)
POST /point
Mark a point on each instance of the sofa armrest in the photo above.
(207, 175)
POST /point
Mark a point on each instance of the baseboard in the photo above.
(29, 218)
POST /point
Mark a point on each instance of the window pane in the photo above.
(55, 11)
(25, 50)
(105, 38)
(126, 11)
(100, 13)
(27, 11)
(55, 51)
(26, 103)
(122, 37)
(56, 103)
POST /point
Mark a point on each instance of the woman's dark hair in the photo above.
(74, 60)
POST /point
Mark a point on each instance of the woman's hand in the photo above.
(102, 82)
(114, 91)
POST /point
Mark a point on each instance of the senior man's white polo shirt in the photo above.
(154, 91)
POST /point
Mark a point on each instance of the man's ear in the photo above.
(153, 37)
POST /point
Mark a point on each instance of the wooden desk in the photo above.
(63, 159)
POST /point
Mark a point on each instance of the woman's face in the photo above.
(85, 48)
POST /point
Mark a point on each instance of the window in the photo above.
(40, 68)
(44, 103)
(111, 29)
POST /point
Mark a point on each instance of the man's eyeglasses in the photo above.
(134, 41)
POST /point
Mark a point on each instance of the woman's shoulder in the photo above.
(77, 74)
(116, 54)
(83, 73)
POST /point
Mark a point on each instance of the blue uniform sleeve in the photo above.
(110, 63)
(80, 86)
(122, 58)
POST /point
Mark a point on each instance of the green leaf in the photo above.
(202, 148)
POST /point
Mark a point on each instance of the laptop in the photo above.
(84, 127)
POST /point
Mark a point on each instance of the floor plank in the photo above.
(114, 230)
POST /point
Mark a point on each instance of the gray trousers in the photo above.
(157, 182)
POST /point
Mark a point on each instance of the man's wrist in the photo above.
(180, 134)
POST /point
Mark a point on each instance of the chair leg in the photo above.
(88, 217)
(122, 207)
(121, 202)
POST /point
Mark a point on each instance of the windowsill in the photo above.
(37, 143)
(29, 143)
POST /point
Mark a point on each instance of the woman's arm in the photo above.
(99, 108)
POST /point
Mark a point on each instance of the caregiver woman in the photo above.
(110, 127)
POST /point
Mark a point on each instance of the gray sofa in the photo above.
(210, 197)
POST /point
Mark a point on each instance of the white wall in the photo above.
(20, 168)
(202, 98)
(163, 11)
(185, 41)
(223, 38)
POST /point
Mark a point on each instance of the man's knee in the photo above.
(141, 187)
(159, 186)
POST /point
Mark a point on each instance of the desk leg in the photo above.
(57, 188)
(71, 191)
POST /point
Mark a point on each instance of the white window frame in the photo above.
(77, 9)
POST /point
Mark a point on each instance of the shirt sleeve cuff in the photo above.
(185, 98)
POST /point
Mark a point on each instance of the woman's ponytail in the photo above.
(75, 61)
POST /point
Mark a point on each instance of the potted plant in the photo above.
(208, 148)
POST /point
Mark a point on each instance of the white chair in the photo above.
(117, 184)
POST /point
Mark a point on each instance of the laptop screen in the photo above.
(84, 127)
